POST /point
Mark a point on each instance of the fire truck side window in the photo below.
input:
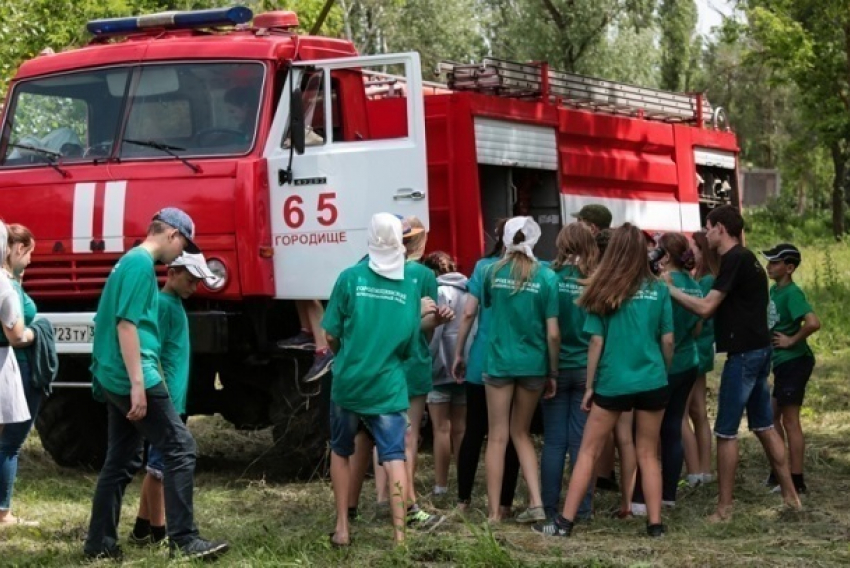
(373, 105)
(70, 117)
(313, 102)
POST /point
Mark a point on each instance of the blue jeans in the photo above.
(13, 438)
(563, 428)
(743, 386)
(386, 430)
(163, 428)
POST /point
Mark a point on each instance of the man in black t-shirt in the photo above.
(739, 303)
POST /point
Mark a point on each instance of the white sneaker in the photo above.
(668, 504)
(440, 490)
(708, 477)
(694, 479)
(638, 509)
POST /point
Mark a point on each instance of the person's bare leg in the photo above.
(458, 428)
(774, 448)
(397, 474)
(702, 428)
(624, 436)
(727, 465)
(524, 404)
(442, 427)
(358, 465)
(340, 479)
(605, 464)
(313, 313)
(646, 443)
(153, 498)
(597, 431)
(777, 419)
(498, 431)
(411, 444)
(794, 435)
(689, 440)
(382, 482)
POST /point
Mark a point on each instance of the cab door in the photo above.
(364, 154)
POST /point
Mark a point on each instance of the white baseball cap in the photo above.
(196, 264)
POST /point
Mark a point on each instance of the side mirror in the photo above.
(296, 121)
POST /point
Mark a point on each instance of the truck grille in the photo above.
(57, 277)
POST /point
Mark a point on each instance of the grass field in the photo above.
(273, 523)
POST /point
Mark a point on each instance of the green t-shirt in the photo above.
(705, 341)
(574, 340)
(632, 360)
(478, 351)
(29, 311)
(788, 308)
(417, 369)
(377, 323)
(517, 346)
(175, 354)
(685, 355)
(130, 294)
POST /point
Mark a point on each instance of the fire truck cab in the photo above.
(281, 146)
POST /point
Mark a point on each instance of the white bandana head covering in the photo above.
(529, 228)
(386, 250)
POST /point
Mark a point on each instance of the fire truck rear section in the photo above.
(95, 140)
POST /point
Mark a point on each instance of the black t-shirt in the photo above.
(740, 323)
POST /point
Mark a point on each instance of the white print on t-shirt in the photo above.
(772, 315)
(645, 294)
(570, 287)
(381, 294)
(510, 284)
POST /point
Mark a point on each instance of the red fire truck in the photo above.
(281, 146)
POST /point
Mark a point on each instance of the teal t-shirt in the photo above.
(29, 310)
(478, 350)
(517, 346)
(377, 323)
(686, 354)
(705, 341)
(418, 367)
(632, 360)
(176, 353)
(574, 340)
(788, 309)
(130, 294)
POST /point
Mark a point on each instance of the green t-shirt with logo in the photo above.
(788, 309)
(29, 311)
(377, 323)
(574, 340)
(176, 352)
(478, 351)
(418, 367)
(517, 346)
(130, 294)
(685, 354)
(632, 360)
(705, 341)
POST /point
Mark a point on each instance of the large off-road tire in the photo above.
(72, 427)
(301, 432)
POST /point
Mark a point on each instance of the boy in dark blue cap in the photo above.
(126, 375)
(791, 320)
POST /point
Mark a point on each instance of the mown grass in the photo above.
(270, 522)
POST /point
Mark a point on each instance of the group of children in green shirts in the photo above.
(596, 338)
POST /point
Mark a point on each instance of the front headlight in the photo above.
(218, 268)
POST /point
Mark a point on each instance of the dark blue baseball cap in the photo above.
(181, 221)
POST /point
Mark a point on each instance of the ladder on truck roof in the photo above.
(535, 80)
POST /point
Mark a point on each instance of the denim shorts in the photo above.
(386, 430)
(448, 394)
(743, 386)
(528, 383)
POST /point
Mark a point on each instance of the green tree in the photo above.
(677, 22)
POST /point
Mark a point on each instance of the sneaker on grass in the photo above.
(422, 520)
(199, 549)
(558, 526)
(531, 515)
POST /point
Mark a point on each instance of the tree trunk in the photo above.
(839, 163)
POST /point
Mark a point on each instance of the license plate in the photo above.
(73, 333)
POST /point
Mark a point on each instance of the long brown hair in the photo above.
(18, 234)
(416, 244)
(523, 268)
(620, 274)
(440, 262)
(576, 246)
(679, 253)
(710, 262)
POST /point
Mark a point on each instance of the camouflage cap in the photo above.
(594, 213)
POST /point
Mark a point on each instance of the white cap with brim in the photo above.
(196, 264)
(386, 250)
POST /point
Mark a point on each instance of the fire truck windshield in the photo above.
(202, 109)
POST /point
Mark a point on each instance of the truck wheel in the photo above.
(72, 428)
(301, 432)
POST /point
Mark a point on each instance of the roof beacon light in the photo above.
(171, 20)
(282, 20)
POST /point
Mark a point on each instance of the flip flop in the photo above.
(336, 544)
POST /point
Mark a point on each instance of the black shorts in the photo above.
(650, 401)
(790, 379)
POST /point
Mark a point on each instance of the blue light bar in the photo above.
(172, 20)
